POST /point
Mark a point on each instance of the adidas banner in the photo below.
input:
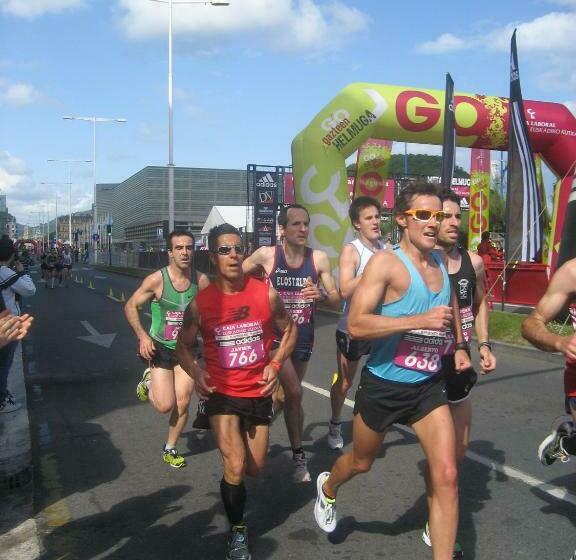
(265, 205)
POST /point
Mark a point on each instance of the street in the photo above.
(102, 490)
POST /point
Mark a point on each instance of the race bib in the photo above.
(240, 344)
(298, 308)
(422, 350)
(173, 324)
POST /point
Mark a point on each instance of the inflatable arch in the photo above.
(362, 111)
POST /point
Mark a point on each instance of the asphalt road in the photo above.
(103, 492)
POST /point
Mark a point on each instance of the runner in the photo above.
(59, 266)
(466, 272)
(561, 442)
(364, 215)
(164, 383)
(402, 305)
(66, 265)
(51, 261)
(294, 270)
(236, 316)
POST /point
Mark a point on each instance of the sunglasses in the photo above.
(426, 215)
(227, 249)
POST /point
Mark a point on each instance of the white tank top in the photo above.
(365, 255)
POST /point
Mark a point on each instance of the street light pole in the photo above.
(70, 162)
(56, 203)
(170, 101)
(94, 120)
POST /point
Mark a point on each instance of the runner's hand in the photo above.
(437, 319)
(567, 346)
(461, 361)
(487, 360)
(147, 347)
(202, 382)
(269, 380)
(311, 291)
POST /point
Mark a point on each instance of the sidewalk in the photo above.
(18, 538)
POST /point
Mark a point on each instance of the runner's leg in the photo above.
(183, 387)
(436, 434)
(256, 442)
(462, 417)
(161, 393)
(292, 389)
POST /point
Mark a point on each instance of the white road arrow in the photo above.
(104, 340)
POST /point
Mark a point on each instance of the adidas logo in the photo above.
(265, 181)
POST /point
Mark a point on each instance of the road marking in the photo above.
(556, 492)
(101, 277)
(104, 340)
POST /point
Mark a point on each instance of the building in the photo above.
(138, 207)
(3, 214)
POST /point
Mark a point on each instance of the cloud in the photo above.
(282, 25)
(19, 94)
(30, 9)
(443, 44)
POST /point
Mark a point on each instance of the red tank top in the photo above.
(238, 333)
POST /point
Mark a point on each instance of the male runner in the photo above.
(561, 442)
(51, 262)
(466, 273)
(164, 382)
(402, 305)
(66, 265)
(236, 316)
(364, 215)
(294, 270)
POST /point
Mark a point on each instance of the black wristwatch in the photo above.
(487, 344)
(462, 346)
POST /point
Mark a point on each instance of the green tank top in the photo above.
(168, 313)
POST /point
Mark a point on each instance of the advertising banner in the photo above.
(362, 111)
(289, 197)
(372, 165)
(479, 216)
(523, 205)
(265, 206)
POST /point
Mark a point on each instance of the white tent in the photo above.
(238, 216)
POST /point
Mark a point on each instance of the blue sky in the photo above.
(247, 77)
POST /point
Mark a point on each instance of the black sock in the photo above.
(297, 451)
(569, 444)
(234, 498)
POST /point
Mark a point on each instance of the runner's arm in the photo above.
(257, 261)
(365, 324)
(347, 266)
(482, 316)
(560, 292)
(202, 280)
(145, 293)
(331, 296)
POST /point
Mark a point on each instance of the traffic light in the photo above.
(109, 230)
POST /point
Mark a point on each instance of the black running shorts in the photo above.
(382, 403)
(458, 385)
(256, 411)
(164, 358)
(352, 350)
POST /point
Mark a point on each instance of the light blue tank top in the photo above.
(417, 299)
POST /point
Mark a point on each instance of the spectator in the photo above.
(13, 282)
(486, 248)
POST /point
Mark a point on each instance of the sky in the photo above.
(247, 78)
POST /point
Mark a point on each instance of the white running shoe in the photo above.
(300, 473)
(324, 508)
(9, 404)
(551, 447)
(335, 440)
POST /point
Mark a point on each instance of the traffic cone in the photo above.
(81, 280)
(110, 293)
(90, 286)
(122, 298)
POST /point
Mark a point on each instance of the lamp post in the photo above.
(94, 120)
(70, 162)
(170, 103)
(56, 204)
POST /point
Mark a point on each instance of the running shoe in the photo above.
(142, 388)
(173, 458)
(237, 548)
(458, 552)
(9, 404)
(324, 508)
(551, 447)
(335, 440)
(573, 557)
(300, 473)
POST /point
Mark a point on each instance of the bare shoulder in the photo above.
(152, 281)
(382, 262)
(477, 261)
(564, 279)
(321, 260)
(349, 253)
(263, 255)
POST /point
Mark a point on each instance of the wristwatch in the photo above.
(462, 346)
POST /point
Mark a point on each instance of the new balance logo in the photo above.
(238, 313)
(265, 181)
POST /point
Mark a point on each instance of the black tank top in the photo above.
(464, 285)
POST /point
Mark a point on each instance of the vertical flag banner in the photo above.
(372, 167)
(479, 216)
(523, 207)
(449, 138)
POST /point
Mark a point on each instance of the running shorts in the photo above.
(382, 403)
(58, 267)
(251, 411)
(351, 349)
(458, 385)
(163, 358)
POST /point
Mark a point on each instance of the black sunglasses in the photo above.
(227, 249)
